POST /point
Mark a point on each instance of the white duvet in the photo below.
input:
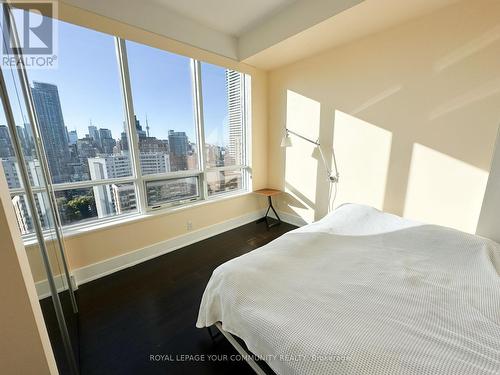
(363, 292)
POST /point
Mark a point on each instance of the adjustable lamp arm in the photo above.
(331, 176)
(301, 136)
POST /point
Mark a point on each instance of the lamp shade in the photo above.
(286, 141)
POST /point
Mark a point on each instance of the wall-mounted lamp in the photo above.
(333, 176)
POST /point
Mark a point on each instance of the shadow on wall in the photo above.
(413, 114)
(437, 188)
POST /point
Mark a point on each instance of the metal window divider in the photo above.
(247, 135)
(38, 228)
(121, 52)
(200, 126)
(35, 128)
(138, 179)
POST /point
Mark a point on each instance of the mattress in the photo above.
(364, 292)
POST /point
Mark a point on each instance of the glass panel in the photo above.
(11, 170)
(79, 106)
(222, 91)
(163, 101)
(87, 204)
(175, 189)
(12, 173)
(23, 214)
(224, 181)
(27, 220)
(23, 130)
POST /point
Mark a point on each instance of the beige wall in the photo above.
(412, 112)
(91, 247)
(21, 321)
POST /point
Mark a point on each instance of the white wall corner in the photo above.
(488, 219)
(292, 219)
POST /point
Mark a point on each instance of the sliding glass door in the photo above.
(22, 154)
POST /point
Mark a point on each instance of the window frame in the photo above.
(245, 167)
(201, 172)
(137, 179)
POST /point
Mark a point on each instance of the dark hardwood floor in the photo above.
(151, 308)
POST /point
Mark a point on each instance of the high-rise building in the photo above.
(6, 149)
(53, 131)
(107, 142)
(12, 175)
(110, 199)
(102, 193)
(94, 133)
(154, 162)
(179, 148)
(123, 197)
(215, 154)
(153, 144)
(234, 88)
(111, 166)
(11, 171)
(105, 133)
(141, 133)
(72, 137)
(23, 137)
(123, 136)
(29, 134)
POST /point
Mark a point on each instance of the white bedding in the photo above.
(363, 292)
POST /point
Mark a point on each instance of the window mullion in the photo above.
(131, 129)
(198, 103)
(92, 183)
(247, 135)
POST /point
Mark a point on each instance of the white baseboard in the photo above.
(111, 265)
(106, 267)
(43, 289)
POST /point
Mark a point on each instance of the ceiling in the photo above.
(232, 17)
(263, 33)
(368, 17)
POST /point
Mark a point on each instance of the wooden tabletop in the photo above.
(268, 192)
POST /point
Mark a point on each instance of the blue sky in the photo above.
(89, 88)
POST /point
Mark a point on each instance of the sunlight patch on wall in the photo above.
(474, 46)
(303, 117)
(375, 99)
(479, 93)
(363, 151)
(444, 190)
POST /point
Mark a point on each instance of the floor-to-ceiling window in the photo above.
(128, 128)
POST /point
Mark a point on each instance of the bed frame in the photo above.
(239, 348)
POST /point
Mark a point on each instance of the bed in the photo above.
(364, 292)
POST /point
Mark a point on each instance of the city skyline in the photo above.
(79, 108)
(58, 139)
(99, 155)
(98, 100)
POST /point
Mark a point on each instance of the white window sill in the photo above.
(82, 229)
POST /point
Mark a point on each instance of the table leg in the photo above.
(266, 216)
